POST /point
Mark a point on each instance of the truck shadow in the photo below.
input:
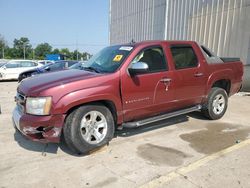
(34, 146)
(42, 148)
(52, 148)
(197, 115)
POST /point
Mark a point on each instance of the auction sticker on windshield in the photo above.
(117, 58)
(127, 48)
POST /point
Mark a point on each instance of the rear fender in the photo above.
(225, 74)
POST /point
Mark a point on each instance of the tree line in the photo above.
(22, 49)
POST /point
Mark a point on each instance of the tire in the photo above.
(216, 104)
(88, 127)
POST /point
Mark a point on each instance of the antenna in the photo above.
(132, 41)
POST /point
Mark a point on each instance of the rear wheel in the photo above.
(216, 105)
(88, 128)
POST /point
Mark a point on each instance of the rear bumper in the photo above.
(43, 129)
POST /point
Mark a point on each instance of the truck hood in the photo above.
(33, 86)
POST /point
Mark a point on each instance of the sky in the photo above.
(82, 24)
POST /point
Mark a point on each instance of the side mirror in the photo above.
(138, 68)
(47, 69)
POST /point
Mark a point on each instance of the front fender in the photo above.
(84, 96)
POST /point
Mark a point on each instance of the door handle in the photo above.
(198, 74)
(165, 80)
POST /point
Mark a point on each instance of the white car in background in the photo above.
(3, 61)
(12, 69)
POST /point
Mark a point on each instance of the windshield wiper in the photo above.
(91, 69)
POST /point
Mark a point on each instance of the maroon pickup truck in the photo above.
(128, 86)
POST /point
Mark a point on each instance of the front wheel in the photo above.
(216, 104)
(88, 127)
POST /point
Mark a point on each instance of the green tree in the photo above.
(66, 52)
(86, 56)
(8, 53)
(76, 55)
(42, 49)
(3, 45)
(22, 48)
(56, 51)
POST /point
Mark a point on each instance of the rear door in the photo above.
(149, 93)
(26, 65)
(190, 76)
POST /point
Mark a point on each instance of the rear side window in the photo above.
(28, 64)
(154, 58)
(12, 65)
(184, 57)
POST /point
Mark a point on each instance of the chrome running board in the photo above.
(139, 123)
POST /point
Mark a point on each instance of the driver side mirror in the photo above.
(47, 68)
(138, 68)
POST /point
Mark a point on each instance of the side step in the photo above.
(139, 123)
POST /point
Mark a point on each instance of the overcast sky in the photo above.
(61, 23)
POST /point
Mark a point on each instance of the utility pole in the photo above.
(24, 51)
(77, 50)
(3, 52)
(33, 54)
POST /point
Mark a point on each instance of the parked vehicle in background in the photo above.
(45, 62)
(125, 86)
(3, 62)
(12, 69)
(78, 65)
(56, 66)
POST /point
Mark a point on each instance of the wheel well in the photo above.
(109, 104)
(224, 84)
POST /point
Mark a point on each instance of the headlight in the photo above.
(38, 105)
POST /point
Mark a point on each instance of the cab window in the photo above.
(153, 57)
(184, 57)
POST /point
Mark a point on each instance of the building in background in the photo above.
(221, 25)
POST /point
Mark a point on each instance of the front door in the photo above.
(149, 93)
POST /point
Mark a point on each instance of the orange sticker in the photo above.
(117, 58)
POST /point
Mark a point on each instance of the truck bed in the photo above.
(229, 59)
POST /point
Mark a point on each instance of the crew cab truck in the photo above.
(126, 85)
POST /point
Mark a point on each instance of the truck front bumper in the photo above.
(43, 129)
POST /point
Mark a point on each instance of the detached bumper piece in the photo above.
(42, 134)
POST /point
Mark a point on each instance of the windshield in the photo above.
(45, 66)
(108, 60)
(1, 64)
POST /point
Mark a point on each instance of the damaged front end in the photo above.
(43, 129)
